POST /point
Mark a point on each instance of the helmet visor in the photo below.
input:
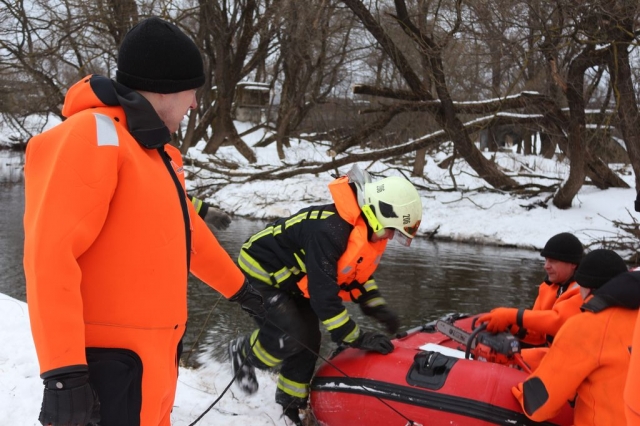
(402, 239)
(405, 236)
(412, 230)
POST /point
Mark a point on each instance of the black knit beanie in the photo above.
(598, 267)
(156, 56)
(564, 247)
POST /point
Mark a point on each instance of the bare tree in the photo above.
(432, 48)
(314, 47)
(236, 37)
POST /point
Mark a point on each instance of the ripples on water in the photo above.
(421, 282)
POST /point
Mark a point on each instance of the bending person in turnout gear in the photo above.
(558, 299)
(111, 236)
(307, 265)
(589, 358)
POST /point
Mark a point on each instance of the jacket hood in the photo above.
(96, 91)
(622, 291)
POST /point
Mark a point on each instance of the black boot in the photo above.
(243, 371)
(291, 406)
(293, 414)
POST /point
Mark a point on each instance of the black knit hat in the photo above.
(598, 267)
(564, 247)
(156, 56)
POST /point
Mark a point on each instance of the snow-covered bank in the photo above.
(21, 388)
(457, 205)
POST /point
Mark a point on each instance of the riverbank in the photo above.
(21, 388)
(457, 205)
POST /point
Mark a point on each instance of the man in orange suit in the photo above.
(558, 299)
(111, 236)
(589, 358)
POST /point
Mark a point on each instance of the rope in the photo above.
(409, 421)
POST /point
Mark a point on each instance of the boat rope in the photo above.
(409, 421)
(206, 321)
(233, 379)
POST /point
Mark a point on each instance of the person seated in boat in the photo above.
(558, 299)
(306, 265)
(589, 358)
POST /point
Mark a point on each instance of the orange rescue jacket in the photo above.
(632, 386)
(106, 231)
(550, 311)
(589, 358)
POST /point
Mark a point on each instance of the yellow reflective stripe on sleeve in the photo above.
(297, 389)
(281, 275)
(376, 301)
(264, 356)
(197, 203)
(295, 219)
(253, 268)
(370, 285)
(353, 335)
(301, 264)
(338, 321)
(106, 133)
(307, 215)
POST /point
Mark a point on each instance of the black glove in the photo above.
(218, 218)
(384, 315)
(369, 341)
(69, 399)
(250, 301)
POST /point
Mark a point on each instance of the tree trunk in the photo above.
(577, 124)
(627, 106)
(420, 162)
(224, 132)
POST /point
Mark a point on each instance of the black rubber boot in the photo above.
(243, 371)
(293, 414)
(291, 406)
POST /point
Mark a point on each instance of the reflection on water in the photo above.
(11, 231)
(421, 282)
(11, 164)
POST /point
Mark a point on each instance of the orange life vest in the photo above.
(360, 260)
(632, 386)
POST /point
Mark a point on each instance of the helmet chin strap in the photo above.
(372, 220)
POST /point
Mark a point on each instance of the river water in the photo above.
(420, 283)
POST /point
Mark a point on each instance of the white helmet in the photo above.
(393, 202)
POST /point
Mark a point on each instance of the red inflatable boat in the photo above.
(428, 380)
